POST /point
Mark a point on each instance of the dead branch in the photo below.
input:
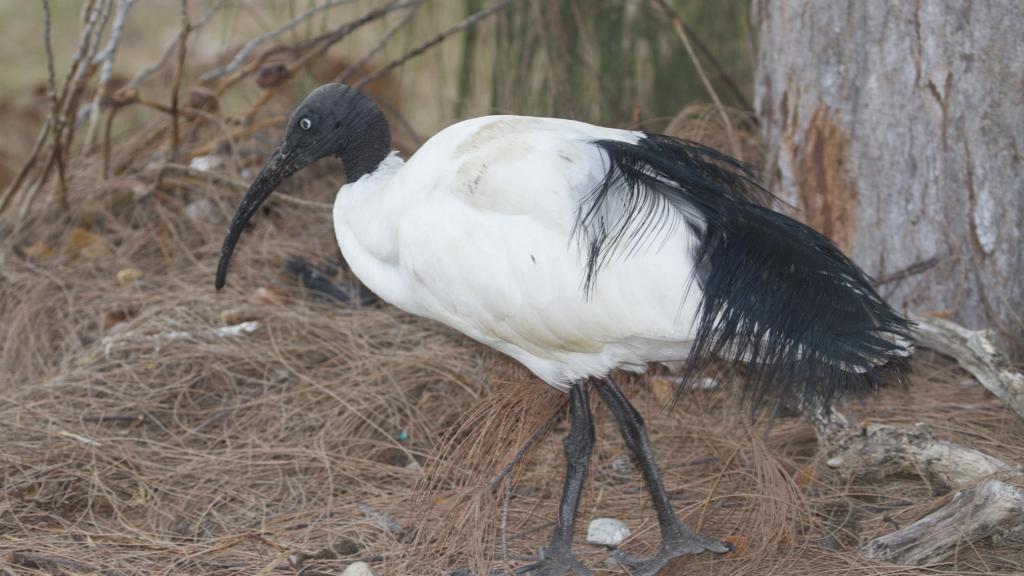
(163, 171)
(886, 449)
(74, 83)
(105, 59)
(975, 351)
(133, 84)
(243, 53)
(723, 75)
(677, 23)
(384, 39)
(991, 509)
(314, 47)
(51, 96)
(179, 70)
(972, 514)
(466, 23)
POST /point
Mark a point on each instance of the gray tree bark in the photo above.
(897, 127)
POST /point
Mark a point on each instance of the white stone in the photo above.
(358, 569)
(834, 462)
(606, 532)
(206, 163)
(203, 210)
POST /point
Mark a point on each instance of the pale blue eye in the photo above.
(305, 123)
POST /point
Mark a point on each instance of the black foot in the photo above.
(682, 543)
(554, 562)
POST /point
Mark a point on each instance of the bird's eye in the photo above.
(305, 123)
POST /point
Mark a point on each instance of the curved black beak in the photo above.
(281, 165)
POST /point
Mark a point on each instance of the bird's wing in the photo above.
(775, 293)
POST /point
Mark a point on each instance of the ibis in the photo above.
(579, 250)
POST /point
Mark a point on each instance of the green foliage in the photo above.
(611, 62)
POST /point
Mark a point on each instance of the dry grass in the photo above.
(132, 450)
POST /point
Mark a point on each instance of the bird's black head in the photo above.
(334, 120)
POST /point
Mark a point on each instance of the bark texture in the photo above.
(898, 129)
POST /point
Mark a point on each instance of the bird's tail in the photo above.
(777, 295)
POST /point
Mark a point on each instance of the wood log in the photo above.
(976, 352)
(990, 509)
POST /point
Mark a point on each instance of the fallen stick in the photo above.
(990, 508)
(975, 352)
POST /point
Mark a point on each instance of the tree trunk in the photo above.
(898, 129)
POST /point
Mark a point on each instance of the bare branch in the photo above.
(244, 52)
(352, 69)
(680, 28)
(322, 43)
(106, 60)
(466, 23)
(179, 71)
(993, 508)
(975, 352)
(172, 47)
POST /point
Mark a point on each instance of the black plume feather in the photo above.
(777, 295)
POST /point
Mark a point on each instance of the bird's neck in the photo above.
(367, 211)
(363, 153)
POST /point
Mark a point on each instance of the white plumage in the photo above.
(476, 231)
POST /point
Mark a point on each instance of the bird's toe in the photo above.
(683, 545)
(555, 563)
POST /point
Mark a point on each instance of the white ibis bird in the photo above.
(578, 250)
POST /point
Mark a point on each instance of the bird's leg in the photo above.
(557, 558)
(677, 539)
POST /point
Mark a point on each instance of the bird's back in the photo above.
(578, 249)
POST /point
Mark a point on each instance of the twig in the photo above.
(108, 126)
(352, 69)
(322, 42)
(504, 522)
(106, 59)
(537, 434)
(152, 68)
(975, 352)
(722, 74)
(24, 170)
(467, 22)
(179, 69)
(41, 138)
(181, 170)
(912, 270)
(991, 509)
(84, 69)
(677, 23)
(49, 563)
(331, 38)
(248, 47)
(74, 84)
(51, 95)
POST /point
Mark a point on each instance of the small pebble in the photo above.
(606, 532)
(206, 163)
(358, 569)
(834, 462)
(203, 210)
(622, 464)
